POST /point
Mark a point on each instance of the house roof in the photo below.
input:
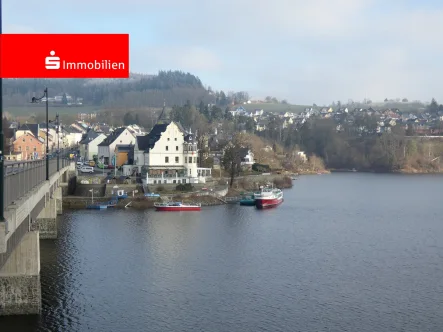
(148, 141)
(112, 137)
(244, 152)
(189, 138)
(32, 127)
(74, 130)
(89, 136)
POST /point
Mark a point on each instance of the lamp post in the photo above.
(36, 100)
(2, 217)
(57, 123)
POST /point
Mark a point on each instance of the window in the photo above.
(166, 160)
(186, 160)
(35, 149)
(27, 148)
(167, 148)
(176, 148)
(176, 160)
(195, 160)
(175, 138)
(19, 148)
(168, 138)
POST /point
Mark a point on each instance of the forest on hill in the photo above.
(139, 91)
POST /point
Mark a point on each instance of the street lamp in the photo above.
(57, 123)
(36, 100)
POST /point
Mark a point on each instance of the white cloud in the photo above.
(194, 59)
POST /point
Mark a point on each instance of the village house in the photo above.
(247, 157)
(28, 128)
(168, 155)
(89, 144)
(106, 149)
(29, 146)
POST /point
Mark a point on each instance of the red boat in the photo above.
(177, 206)
(268, 197)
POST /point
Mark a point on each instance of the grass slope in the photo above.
(271, 107)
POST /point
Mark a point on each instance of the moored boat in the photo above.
(177, 206)
(97, 206)
(247, 200)
(268, 197)
(152, 195)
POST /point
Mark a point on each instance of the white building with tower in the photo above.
(168, 155)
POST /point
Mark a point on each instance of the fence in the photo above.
(22, 176)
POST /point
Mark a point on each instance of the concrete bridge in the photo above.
(31, 206)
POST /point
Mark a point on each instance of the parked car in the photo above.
(91, 163)
(87, 169)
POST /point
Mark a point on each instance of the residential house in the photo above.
(124, 154)
(89, 144)
(103, 128)
(80, 126)
(136, 130)
(29, 147)
(28, 128)
(106, 149)
(287, 122)
(326, 110)
(260, 126)
(168, 155)
(247, 157)
(71, 136)
(240, 110)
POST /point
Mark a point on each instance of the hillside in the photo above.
(172, 87)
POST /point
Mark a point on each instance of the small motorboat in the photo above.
(152, 195)
(248, 200)
(177, 206)
(97, 206)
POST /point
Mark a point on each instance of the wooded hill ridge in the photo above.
(140, 90)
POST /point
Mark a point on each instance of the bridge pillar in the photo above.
(20, 289)
(47, 220)
(59, 203)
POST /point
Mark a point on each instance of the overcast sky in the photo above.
(307, 51)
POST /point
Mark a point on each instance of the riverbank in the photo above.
(205, 198)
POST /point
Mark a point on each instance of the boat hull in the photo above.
(178, 208)
(267, 203)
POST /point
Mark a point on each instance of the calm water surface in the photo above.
(345, 252)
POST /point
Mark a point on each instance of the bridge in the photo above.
(31, 205)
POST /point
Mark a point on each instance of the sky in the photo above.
(304, 51)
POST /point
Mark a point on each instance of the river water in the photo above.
(344, 252)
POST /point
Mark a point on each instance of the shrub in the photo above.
(184, 187)
(160, 188)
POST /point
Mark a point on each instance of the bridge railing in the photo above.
(22, 176)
